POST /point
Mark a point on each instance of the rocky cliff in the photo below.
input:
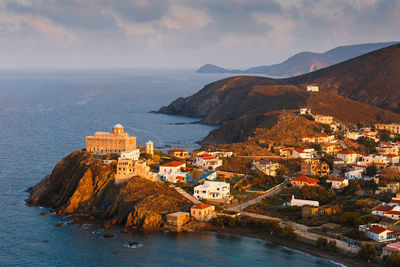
(80, 184)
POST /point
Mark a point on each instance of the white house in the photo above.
(387, 149)
(378, 232)
(356, 174)
(303, 153)
(372, 159)
(347, 156)
(212, 191)
(208, 161)
(172, 172)
(300, 202)
(312, 88)
(305, 111)
(338, 183)
(352, 135)
(131, 154)
(268, 168)
(393, 159)
(380, 211)
(394, 213)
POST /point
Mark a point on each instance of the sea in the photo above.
(45, 115)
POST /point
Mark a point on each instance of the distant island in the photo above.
(303, 62)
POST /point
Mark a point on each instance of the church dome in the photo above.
(118, 126)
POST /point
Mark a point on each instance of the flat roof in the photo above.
(179, 213)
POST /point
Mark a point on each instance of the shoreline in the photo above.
(296, 244)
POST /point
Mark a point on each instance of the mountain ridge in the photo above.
(303, 62)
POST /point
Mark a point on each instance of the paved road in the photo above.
(302, 230)
(186, 194)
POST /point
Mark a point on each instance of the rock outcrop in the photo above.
(80, 184)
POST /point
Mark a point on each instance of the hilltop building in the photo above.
(268, 168)
(304, 180)
(305, 111)
(323, 119)
(378, 232)
(347, 156)
(314, 167)
(203, 212)
(178, 153)
(212, 191)
(115, 142)
(173, 172)
(208, 161)
(150, 147)
(393, 127)
(312, 88)
(300, 202)
(337, 182)
(128, 168)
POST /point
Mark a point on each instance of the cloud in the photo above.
(260, 31)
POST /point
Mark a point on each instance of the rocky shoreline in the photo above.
(82, 185)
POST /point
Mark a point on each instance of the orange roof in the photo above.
(306, 136)
(201, 206)
(299, 150)
(347, 152)
(336, 179)
(321, 135)
(306, 179)
(394, 212)
(383, 208)
(377, 229)
(173, 164)
(391, 155)
(176, 150)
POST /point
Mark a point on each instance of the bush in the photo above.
(351, 219)
(367, 252)
(357, 234)
(322, 243)
(394, 260)
(332, 245)
(288, 232)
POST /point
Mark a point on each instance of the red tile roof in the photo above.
(392, 212)
(173, 164)
(201, 206)
(395, 201)
(305, 179)
(299, 150)
(383, 208)
(321, 135)
(176, 150)
(377, 229)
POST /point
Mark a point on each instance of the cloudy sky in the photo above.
(179, 33)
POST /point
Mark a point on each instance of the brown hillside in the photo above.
(373, 78)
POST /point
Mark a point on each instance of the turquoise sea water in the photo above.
(45, 115)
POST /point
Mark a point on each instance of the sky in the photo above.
(184, 33)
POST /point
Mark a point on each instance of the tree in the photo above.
(367, 252)
(370, 145)
(371, 170)
(332, 245)
(329, 159)
(322, 243)
(288, 232)
(395, 259)
(384, 135)
(351, 219)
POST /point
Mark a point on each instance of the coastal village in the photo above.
(338, 188)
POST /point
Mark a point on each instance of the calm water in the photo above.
(44, 115)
